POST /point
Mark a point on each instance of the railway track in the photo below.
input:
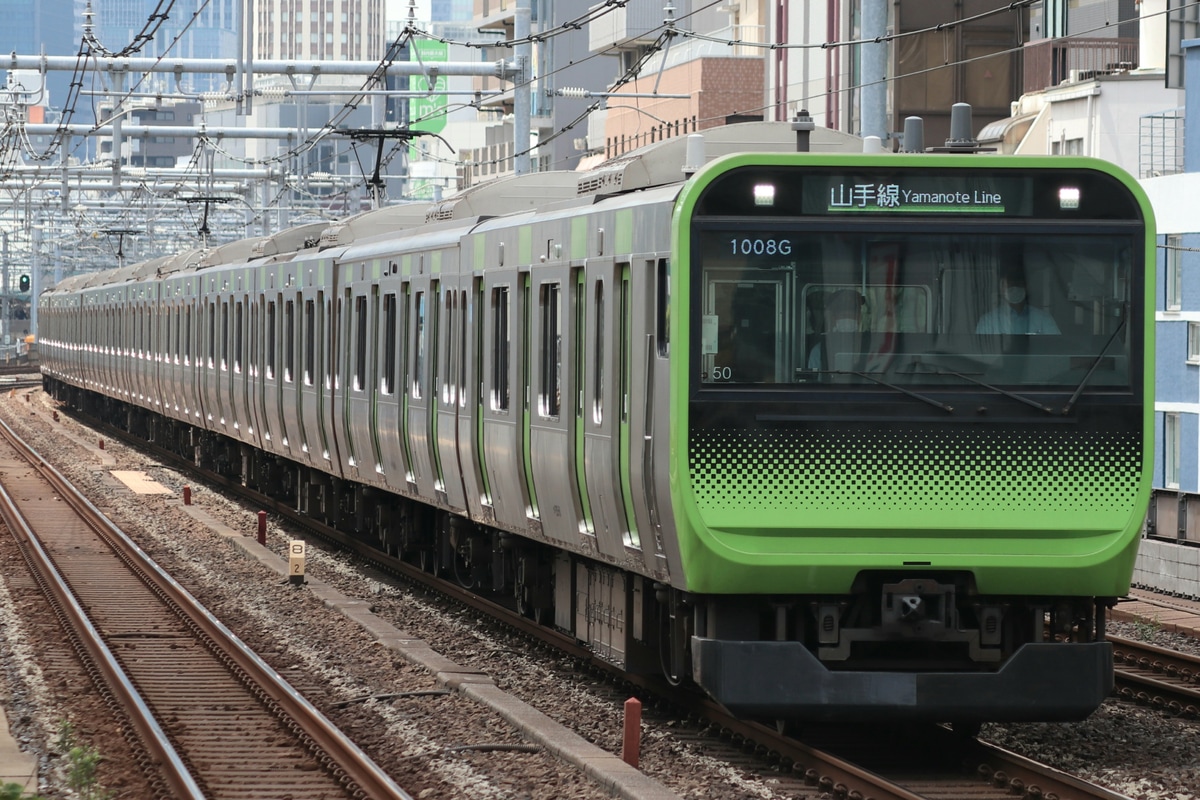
(907, 764)
(1165, 679)
(212, 720)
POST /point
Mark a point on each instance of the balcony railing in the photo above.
(1049, 62)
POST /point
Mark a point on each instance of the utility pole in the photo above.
(872, 93)
(523, 87)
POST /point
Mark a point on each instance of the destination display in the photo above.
(916, 194)
(1011, 193)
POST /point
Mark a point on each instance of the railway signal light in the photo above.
(23, 282)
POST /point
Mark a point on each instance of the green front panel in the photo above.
(1050, 503)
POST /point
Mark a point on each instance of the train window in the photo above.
(501, 344)
(662, 333)
(598, 363)
(550, 389)
(178, 334)
(418, 384)
(289, 341)
(952, 307)
(624, 343)
(270, 338)
(448, 374)
(238, 313)
(360, 343)
(310, 340)
(389, 344)
(462, 350)
(187, 332)
(225, 335)
(212, 335)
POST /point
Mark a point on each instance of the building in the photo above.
(558, 61)
(155, 151)
(193, 29)
(333, 30)
(34, 27)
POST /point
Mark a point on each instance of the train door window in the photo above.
(224, 335)
(238, 312)
(402, 324)
(434, 327)
(550, 388)
(289, 341)
(166, 334)
(662, 333)
(212, 335)
(252, 356)
(598, 363)
(187, 332)
(501, 347)
(462, 349)
(178, 335)
(418, 384)
(310, 341)
(388, 384)
(360, 343)
(449, 373)
(323, 358)
(270, 339)
(623, 345)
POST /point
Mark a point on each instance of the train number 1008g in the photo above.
(761, 247)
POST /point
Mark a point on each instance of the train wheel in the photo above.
(427, 560)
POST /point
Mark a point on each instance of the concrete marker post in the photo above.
(296, 550)
(631, 743)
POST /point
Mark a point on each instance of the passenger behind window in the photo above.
(1014, 314)
(843, 335)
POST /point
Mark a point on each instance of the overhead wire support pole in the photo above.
(523, 87)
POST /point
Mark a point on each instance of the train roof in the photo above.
(370, 224)
(290, 240)
(662, 163)
(506, 195)
(236, 252)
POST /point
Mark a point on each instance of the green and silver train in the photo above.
(832, 435)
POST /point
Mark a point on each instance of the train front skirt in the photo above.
(783, 680)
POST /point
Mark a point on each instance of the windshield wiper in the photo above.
(1029, 401)
(1095, 363)
(949, 409)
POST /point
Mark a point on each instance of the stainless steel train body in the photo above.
(529, 388)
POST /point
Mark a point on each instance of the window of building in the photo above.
(1174, 272)
(1171, 449)
(1193, 351)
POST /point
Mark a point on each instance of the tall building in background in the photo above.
(32, 27)
(320, 30)
(193, 29)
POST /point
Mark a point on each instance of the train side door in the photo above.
(552, 421)
(389, 388)
(503, 451)
(602, 407)
(422, 390)
(451, 390)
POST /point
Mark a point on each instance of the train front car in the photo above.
(912, 431)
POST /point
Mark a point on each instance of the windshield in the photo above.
(1045, 310)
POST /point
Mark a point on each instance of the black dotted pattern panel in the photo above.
(921, 469)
